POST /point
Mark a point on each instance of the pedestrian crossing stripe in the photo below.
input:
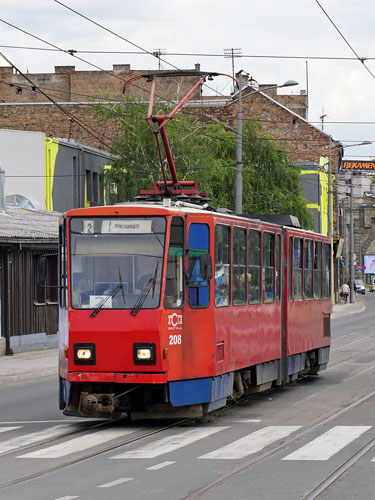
(170, 443)
(79, 444)
(35, 438)
(6, 429)
(252, 443)
(329, 443)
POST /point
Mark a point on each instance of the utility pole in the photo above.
(239, 163)
(351, 250)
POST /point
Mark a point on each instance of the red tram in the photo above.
(168, 309)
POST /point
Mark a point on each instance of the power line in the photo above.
(69, 52)
(187, 54)
(115, 34)
(361, 59)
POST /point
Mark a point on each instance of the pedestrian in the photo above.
(345, 292)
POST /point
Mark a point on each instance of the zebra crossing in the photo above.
(329, 443)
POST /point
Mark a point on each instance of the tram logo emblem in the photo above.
(175, 321)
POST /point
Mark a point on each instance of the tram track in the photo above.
(87, 456)
(326, 483)
(322, 485)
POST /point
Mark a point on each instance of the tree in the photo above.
(205, 152)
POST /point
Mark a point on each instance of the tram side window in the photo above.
(63, 277)
(174, 289)
(290, 268)
(199, 289)
(254, 266)
(318, 270)
(222, 265)
(308, 270)
(268, 267)
(278, 268)
(297, 268)
(326, 270)
(239, 266)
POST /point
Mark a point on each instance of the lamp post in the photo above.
(239, 164)
(351, 225)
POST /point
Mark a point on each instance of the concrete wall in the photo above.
(22, 156)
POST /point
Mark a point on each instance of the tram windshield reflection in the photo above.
(107, 251)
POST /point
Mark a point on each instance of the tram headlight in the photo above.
(144, 354)
(84, 354)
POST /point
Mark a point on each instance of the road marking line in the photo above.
(354, 342)
(115, 483)
(5, 429)
(66, 498)
(329, 443)
(170, 443)
(79, 444)
(160, 466)
(34, 438)
(247, 421)
(252, 443)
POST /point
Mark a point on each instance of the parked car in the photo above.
(372, 285)
(359, 287)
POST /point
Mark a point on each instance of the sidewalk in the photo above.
(341, 310)
(28, 366)
(32, 365)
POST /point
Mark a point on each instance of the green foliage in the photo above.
(206, 153)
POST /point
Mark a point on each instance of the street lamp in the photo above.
(239, 164)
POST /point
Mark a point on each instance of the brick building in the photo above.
(24, 106)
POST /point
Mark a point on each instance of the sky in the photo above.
(318, 43)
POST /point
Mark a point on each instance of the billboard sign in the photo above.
(356, 165)
(369, 264)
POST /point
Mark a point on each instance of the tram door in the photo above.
(197, 315)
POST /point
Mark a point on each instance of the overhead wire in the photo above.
(361, 59)
(188, 54)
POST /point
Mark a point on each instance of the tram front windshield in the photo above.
(116, 263)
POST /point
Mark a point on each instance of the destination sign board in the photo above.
(358, 165)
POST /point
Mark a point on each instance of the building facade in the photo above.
(52, 174)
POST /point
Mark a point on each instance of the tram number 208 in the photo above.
(175, 339)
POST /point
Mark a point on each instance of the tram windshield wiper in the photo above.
(150, 285)
(119, 287)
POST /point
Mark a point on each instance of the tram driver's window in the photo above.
(268, 267)
(222, 265)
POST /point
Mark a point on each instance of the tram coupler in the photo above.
(97, 405)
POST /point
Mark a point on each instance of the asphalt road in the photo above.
(312, 439)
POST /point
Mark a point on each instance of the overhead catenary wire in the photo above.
(186, 54)
(361, 59)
